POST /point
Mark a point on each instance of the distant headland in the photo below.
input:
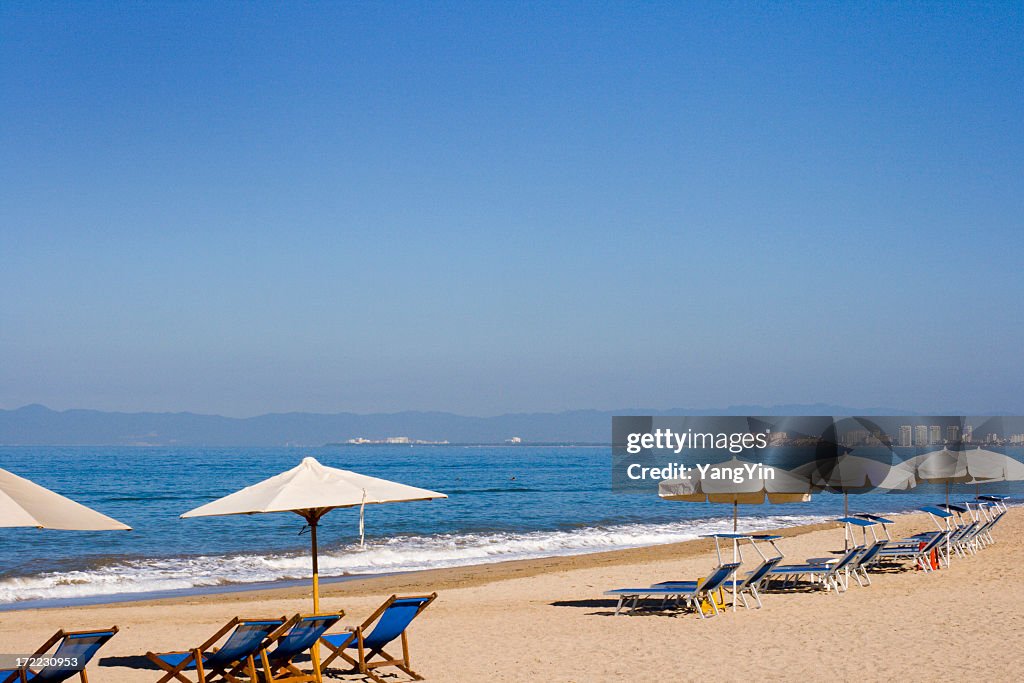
(39, 425)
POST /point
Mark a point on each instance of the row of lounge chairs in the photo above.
(251, 649)
(962, 529)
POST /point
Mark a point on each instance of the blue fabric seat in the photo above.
(828, 574)
(77, 646)
(237, 652)
(302, 634)
(388, 623)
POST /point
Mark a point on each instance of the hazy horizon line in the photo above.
(642, 410)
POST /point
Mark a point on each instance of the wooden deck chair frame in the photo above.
(364, 662)
(295, 674)
(21, 675)
(230, 674)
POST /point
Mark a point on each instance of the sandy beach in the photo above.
(547, 620)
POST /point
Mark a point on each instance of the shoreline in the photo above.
(403, 581)
(298, 583)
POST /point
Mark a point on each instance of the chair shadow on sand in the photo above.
(129, 662)
(606, 608)
(143, 662)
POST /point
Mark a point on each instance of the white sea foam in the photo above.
(407, 553)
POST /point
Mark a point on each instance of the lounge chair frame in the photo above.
(830, 576)
(194, 657)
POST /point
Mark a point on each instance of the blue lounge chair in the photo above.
(916, 548)
(828, 575)
(688, 592)
(72, 646)
(209, 662)
(302, 634)
(859, 567)
(749, 584)
(390, 621)
(991, 512)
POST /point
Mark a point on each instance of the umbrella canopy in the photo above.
(941, 467)
(970, 466)
(26, 504)
(846, 473)
(310, 487)
(719, 485)
(311, 490)
(989, 466)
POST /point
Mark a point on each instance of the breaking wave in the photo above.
(408, 553)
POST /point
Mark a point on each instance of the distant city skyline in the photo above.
(245, 208)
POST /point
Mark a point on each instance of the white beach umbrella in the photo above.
(720, 484)
(846, 473)
(969, 466)
(26, 504)
(311, 490)
(988, 466)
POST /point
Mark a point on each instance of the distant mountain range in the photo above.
(38, 425)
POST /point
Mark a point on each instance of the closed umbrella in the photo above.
(26, 504)
(311, 490)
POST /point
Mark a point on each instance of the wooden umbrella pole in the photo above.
(846, 526)
(314, 519)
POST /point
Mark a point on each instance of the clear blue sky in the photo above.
(490, 207)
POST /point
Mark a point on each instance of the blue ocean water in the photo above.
(504, 503)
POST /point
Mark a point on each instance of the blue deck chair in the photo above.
(992, 514)
(965, 529)
(236, 655)
(76, 646)
(390, 621)
(916, 549)
(829, 575)
(690, 593)
(748, 584)
(303, 631)
(859, 567)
